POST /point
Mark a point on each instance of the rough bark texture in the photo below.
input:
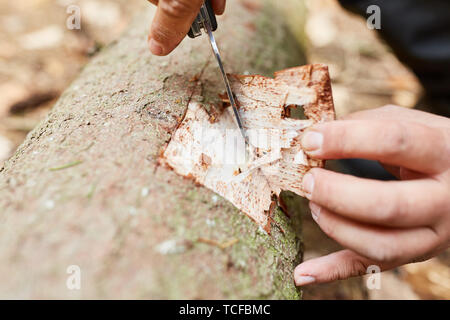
(84, 188)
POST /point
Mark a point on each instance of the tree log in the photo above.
(84, 189)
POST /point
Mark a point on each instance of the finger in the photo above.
(335, 266)
(171, 23)
(218, 6)
(391, 112)
(390, 203)
(387, 245)
(410, 145)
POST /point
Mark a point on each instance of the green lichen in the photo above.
(68, 165)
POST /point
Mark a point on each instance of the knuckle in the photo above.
(161, 34)
(357, 267)
(339, 273)
(392, 211)
(396, 139)
(353, 266)
(178, 8)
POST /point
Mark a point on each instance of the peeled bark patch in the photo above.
(211, 150)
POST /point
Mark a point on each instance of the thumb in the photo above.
(335, 266)
(171, 24)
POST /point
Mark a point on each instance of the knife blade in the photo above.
(204, 20)
(230, 94)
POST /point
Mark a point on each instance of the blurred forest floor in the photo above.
(39, 57)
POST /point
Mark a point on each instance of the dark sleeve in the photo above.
(419, 33)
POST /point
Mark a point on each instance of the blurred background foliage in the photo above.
(39, 57)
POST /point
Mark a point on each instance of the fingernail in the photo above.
(315, 210)
(155, 47)
(308, 185)
(312, 141)
(304, 280)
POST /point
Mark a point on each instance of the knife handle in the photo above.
(197, 25)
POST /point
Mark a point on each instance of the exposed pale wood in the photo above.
(209, 148)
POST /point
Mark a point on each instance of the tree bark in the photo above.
(85, 190)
